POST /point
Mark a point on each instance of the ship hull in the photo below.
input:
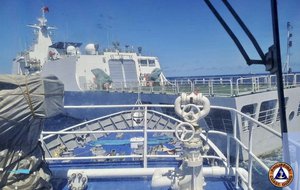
(79, 98)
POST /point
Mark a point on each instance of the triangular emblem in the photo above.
(281, 174)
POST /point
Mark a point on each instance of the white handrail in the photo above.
(220, 156)
(172, 106)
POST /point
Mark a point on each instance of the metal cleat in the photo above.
(77, 181)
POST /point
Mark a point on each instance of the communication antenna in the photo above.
(126, 48)
(116, 45)
(140, 50)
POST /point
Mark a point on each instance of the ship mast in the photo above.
(289, 44)
(39, 54)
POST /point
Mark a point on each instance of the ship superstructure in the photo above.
(90, 68)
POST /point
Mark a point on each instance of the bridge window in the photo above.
(250, 111)
(267, 111)
(219, 120)
(144, 62)
(151, 63)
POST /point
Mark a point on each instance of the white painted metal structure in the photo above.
(227, 168)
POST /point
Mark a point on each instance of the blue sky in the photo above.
(183, 34)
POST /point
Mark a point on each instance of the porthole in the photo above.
(291, 116)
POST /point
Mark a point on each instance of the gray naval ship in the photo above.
(113, 76)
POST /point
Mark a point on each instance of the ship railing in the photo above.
(209, 87)
(145, 156)
(297, 79)
(142, 133)
(289, 80)
(268, 116)
(220, 87)
(124, 86)
(144, 87)
(246, 146)
(214, 87)
(182, 86)
(253, 85)
(245, 122)
(264, 83)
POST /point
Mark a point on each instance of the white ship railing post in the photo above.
(145, 139)
(42, 141)
(209, 88)
(256, 84)
(228, 150)
(250, 162)
(253, 84)
(237, 87)
(285, 80)
(269, 83)
(231, 87)
(237, 150)
(192, 86)
(212, 88)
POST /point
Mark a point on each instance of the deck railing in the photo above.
(207, 86)
(144, 156)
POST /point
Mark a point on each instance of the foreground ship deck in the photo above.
(139, 149)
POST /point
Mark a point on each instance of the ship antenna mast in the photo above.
(289, 44)
(44, 9)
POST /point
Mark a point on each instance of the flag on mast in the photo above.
(45, 9)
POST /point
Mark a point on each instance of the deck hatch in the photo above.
(130, 72)
(123, 73)
(116, 74)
